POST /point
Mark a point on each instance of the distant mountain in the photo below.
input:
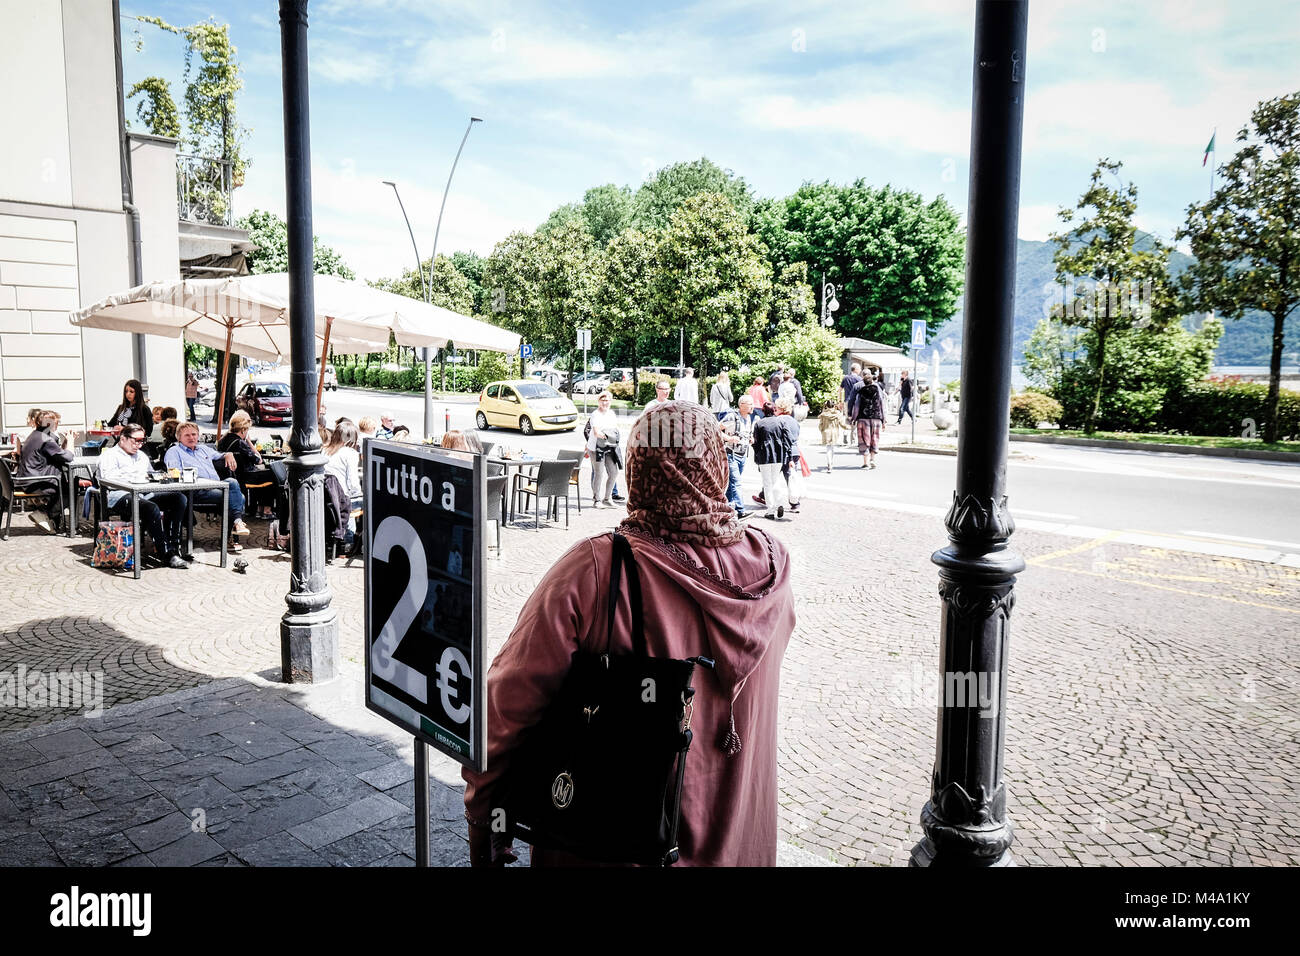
(1246, 341)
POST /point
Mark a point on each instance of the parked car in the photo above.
(593, 385)
(527, 405)
(580, 380)
(266, 402)
(620, 375)
(547, 375)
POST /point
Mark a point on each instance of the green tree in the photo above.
(1245, 238)
(663, 193)
(813, 351)
(567, 268)
(892, 257)
(712, 279)
(624, 310)
(1052, 348)
(510, 280)
(271, 235)
(470, 265)
(793, 303)
(449, 288)
(157, 110)
(606, 212)
(1099, 259)
(210, 92)
(1147, 368)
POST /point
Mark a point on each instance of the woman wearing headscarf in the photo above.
(711, 586)
(132, 410)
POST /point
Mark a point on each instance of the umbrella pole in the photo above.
(325, 351)
(225, 373)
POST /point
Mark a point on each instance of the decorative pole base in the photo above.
(309, 649)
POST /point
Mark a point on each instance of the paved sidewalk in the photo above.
(1154, 716)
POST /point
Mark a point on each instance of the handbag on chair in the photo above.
(601, 775)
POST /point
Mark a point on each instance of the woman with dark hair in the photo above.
(132, 410)
(711, 586)
(342, 485)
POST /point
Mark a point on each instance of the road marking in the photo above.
(1164, 587)
(1043, 514)
(1078, 549)
(1289, 545)
(1164, 476)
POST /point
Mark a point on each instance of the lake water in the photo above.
(1018, 381)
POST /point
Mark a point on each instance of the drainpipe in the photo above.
(128, 197)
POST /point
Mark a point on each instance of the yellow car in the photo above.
(529, 406)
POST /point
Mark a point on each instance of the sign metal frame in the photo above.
(423, 726)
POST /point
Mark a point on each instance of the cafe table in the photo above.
(137, 488)
(516, 465)
(72, 470)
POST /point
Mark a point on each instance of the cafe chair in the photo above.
(11, 490)
(577, 458)
(496, 502)
(552, 483)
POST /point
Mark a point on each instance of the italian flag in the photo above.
(1209, 148)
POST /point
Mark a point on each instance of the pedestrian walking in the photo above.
(771, 453)
(711, 586)
(867, 411)
(787, 387)
(738, 437)
(774, 383)
(905, 398)
(688, 388)
(792, 470)
(602, 445)
(720, 397)
(191, 392)
(758, 395)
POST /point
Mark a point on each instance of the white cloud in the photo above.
(1038, 221)
(900, 122)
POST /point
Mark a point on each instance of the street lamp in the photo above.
(428, 355)
(419, 265)
(830, 304)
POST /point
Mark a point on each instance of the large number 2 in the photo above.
(394, 532)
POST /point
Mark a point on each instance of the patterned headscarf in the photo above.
(677, 477)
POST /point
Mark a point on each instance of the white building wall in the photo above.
(64, 240)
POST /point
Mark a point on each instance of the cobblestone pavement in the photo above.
(1153, 709)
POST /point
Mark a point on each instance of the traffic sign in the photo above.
(918, 333)
(526, 351)
(424, 620)
(584, 338)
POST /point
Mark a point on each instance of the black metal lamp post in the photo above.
(965, 820)
(309, 638)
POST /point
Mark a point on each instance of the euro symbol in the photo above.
(449, 683)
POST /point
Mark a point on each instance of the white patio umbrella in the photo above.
(197, 310)
(251, 315)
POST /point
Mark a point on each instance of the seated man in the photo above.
(42, 455)
(160, 512)
(188, 453)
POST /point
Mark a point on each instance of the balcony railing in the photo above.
(203, 189)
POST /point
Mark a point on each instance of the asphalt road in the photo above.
(1187, 501)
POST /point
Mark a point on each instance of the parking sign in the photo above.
(424, 595)
(526, 351)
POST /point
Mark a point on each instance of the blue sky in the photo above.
(578, 94)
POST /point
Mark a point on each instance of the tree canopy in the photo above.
(1245, 238)
(1113, 285)
(271, 234)
(892, 257)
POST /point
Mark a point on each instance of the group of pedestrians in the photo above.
(863, 401)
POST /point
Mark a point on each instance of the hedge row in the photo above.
(1226, 408)
(491, 368)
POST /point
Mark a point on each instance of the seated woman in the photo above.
(342, 486)
(249, 467)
